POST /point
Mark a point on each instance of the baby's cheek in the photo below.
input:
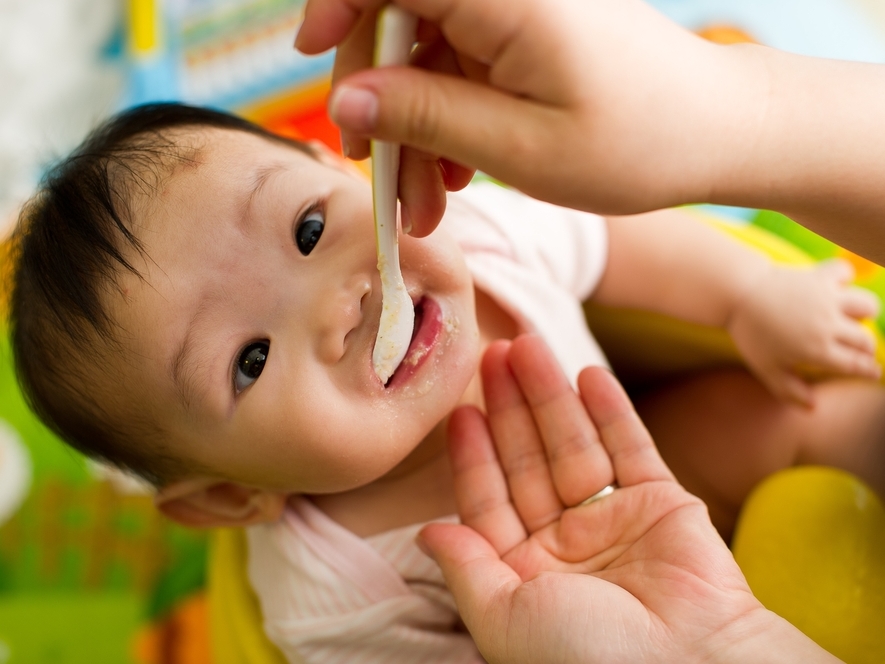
(436, 260)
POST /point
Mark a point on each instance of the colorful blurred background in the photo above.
(88, 571)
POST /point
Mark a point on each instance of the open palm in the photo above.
(642, 571)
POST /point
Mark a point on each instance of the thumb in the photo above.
(466, 122)
(482, 583)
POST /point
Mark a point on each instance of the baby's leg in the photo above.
(722, 432)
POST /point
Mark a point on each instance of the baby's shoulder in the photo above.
(487, 215)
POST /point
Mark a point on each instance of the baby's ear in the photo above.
(212, 503)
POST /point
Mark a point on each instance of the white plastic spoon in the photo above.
(394, 38)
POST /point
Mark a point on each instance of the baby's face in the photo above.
(251, 335)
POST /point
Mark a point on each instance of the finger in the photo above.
(354, 54)
(480, 486)
(480, 581)
(479, 29)
(579, 464)
(427, 31)
(455, 176)
(851, 362)
(858, 302)
(327, 22)
(518, 442)
(423, 183)
(466, 122)
(837, 268)
(436, 54)
(857, 336)
(422, 191)
(633, 453)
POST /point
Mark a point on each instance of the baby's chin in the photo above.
(411, 446)
(378, 475)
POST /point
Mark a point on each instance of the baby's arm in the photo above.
(790, 324)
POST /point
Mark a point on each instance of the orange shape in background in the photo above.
(299, 114)
(182, 637)
(725, 34)
(863, 268)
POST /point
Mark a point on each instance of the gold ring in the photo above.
(602, 493)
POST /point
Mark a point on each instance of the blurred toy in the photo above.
(235, 55)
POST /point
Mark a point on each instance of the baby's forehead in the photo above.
(212, 174)
(226, 157)
(196, 159)
(208, 182)
(214, 143)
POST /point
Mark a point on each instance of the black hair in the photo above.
(70, 245)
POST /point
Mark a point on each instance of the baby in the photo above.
(196, 301)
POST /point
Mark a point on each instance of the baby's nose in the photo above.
(340, 312)
(358, 286)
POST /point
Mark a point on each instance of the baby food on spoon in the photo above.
(394, 38)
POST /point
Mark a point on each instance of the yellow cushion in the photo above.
(811, 542)
(235, 623)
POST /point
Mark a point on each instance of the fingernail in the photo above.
(298, 39)
(423, 546)
(354, 109)
(406, 220)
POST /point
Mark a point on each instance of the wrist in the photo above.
(761, 637)
(760, 156)
(752, 279)
(724, 112)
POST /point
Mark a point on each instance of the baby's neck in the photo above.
(420, 488)
(420, 493)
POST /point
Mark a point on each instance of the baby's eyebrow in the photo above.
(259, 178)
(180, 366)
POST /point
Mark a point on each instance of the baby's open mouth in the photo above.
(419, 317)
(426, 330)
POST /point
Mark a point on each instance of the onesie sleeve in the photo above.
(568, 246)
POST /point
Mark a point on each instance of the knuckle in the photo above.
(421, 119)
(572, 444)
(524, 462)
(479, 506)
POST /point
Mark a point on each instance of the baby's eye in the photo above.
(309, 230)
(250, 364)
